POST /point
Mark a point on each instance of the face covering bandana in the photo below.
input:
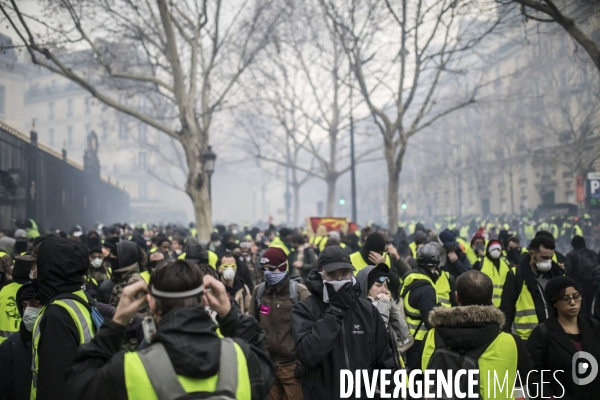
(273, 278)
(544, 266)
(29, 317)
(337, 285)
(495, 253)
(228, 273)
(97, 262)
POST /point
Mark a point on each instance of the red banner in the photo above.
(580, 188)
(331, 224)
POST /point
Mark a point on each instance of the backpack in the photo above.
(294, 281)
(164, 379)
(444, 359)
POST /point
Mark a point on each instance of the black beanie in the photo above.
(375, 273)
(556, 284)
(578, 242)
(21, 270)
(375, 242)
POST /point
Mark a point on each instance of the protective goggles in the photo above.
(234, 266)
(245, 245)
(281, 267)
(382, 279)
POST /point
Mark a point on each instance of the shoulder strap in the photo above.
(161, 372)
(228, 369)
(293, 291)
(413, 285)
(260, 290)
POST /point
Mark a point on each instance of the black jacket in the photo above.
(15, 366)
(422, 297)
(514, 284)
(471, 327)
(459, 266)
(559, 356)
(325, 344)
(190, 339)
(576, 262)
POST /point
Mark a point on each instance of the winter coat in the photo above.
(275, 316)
(557, 354)
(325, 343)
(460, 265)
(575, 269)
(240, 293)
(192, 343)
(15, 366)
(514, 284)
(309, 261)
(470, 327)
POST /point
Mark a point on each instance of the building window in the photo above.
(2, 100)
(70, 134)
(51, 136)
(123, 130)
(51, 111)
(142, 128)
(87, 105)
(70, 108)
(143, 190)
(142, 160)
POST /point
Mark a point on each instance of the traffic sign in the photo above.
(593, 189)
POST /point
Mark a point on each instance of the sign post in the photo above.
(593, 190)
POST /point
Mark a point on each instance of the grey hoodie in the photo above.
(7, 245)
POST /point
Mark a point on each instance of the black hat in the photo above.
(333, 258)
(214, 237)
(556, 284)
(376, 273)
(95, 249)
(447, 238)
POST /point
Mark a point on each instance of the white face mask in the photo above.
(544, 266)
(29, 317)
(228, 273)
(97, 262)
(495, 253)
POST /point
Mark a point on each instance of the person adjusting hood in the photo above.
(371, 253)
(65, 321)
(336, 328)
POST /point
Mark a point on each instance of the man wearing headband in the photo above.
(186, 354)
(271, 305)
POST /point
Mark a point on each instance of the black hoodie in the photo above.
(191, 341)
(325, 344)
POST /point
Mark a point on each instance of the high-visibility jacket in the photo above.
(462, 243)
(82, 319)
(471, 255)
(359, 263)
(277, 242)
(414, 319)
(413, 248)
(577, 230)
(232, 377)
(497, 275)
(194, 232)
(319, 241)
(500, 357)
(443, 289)
(529, 231)
(32, 232)
(212, 258)
(146, 276)
(525, 316)
(10, 319)
(464, 231)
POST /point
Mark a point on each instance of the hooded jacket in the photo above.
(240, 293)
(130, 259)
(192, 343)
(514, 284)
(325, 344)
(469, 327)
(61, 265)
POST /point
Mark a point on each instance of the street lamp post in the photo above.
(209, 157)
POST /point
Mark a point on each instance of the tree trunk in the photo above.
(296, 204)
(330, 181)
(197, 186)
(392, 207)
(512, 191)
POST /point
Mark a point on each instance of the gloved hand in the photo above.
(343, 298)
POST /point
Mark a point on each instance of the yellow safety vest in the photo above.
(413, 248)
(82, 319)
(471, 255)
(10, 319)
(359, 263)
(525, 316)
(319, 241)
(464, 231)
(139, 386)
(146, 276)
(529, 231)
(442, 289)
(194, 232)
(500, 356)
(277, 242)
(497, 275)
(414, 320)
(212, 259)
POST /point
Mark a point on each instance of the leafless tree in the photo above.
(550, 11)
(187, 53)
(401, 53)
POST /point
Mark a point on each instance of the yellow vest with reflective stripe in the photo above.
(413, 315)
(277, 242)
(500, 356)
(139, 386)
(10, 319)
(146, 276)
(413, 248)
(212, 259)
(525, 316)
(442, 289)
(497, 275)
(359, 263)
(82, 319)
